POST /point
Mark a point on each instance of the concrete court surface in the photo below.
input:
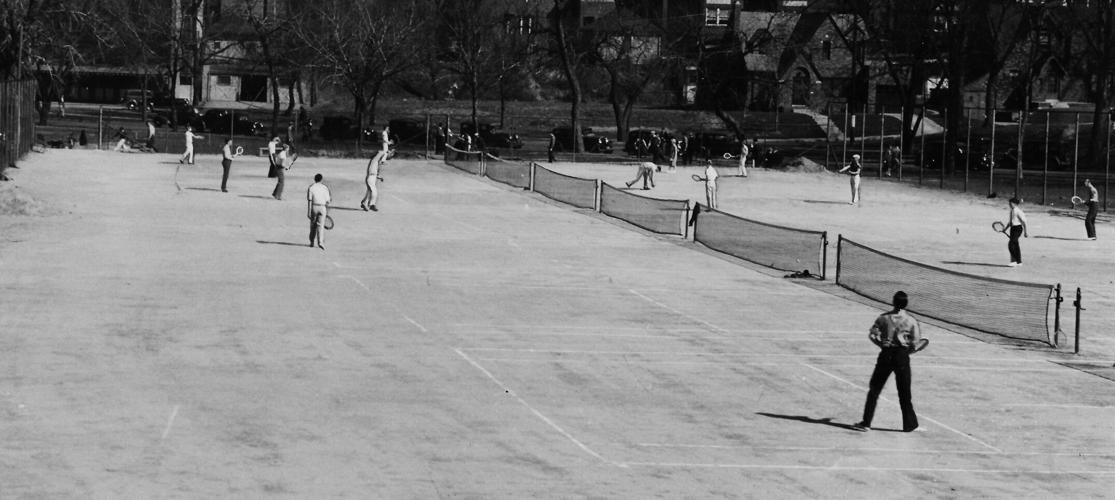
(469, 341)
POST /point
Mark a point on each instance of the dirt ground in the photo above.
(471, 340)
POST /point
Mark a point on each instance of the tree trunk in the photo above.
(569, 67)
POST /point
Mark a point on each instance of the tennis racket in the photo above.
(239, 150)
(919, 345)
(728, 156)
(998, 226)
(293, 158)
(1077, 201)
(697, 178)
(328, 224)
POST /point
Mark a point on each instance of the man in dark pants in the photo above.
(1093, 206)
(550, 147)
(226, 163)
(896, 333)
(1017, 227)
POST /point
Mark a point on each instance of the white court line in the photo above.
(397, 198)
(772, 363)
(537, 413)
(401, 313)
(514, 245)
(735, 355)
(904, 451)
(169, 423)
(675, 311)
(337, 265)
(864, 389)
(868, 469)
(1064, 405)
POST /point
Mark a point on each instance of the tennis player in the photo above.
(385, 138)
(896, 333)
(281, 166)
(273, 157)
(646, 173)
(853, 169)
(710, 184)
(1016, 227)
(226, 163)
(743, 152)
(188, 156)
(372, 193)
(317, 207)
(1093, 206)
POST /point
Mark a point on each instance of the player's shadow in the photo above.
(826, 202)
(283, 243)
(809, 420)
(962, 263)
(203, 189)
(257, 196)
(346, 209)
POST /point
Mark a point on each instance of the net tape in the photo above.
(469, 161)
(576, 191)
(653, 214)
(780, 247)
(508, 172)
(1008, 308)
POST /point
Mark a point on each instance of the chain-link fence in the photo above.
(17, 120)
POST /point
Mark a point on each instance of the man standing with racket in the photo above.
(710, 184)
(317, 208)
(226, 162)
(281, 166)
(1016, 226)
(898, 335)
(853, 169)
(372, 193)
(272, 157)
(743, 152)
(1093, 206)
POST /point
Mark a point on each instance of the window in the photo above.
(716, 16)
(826, 49)
(588, 20)
(224, 80)
(185, 79)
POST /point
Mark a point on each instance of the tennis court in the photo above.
(473, 340)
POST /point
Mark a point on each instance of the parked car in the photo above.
(134, 97)
(593, 143)
(714, 144)
(630, 146)
(181, 110)
(1034, 156)
(408, 131)
(491, 137)
(227, 121)
(342, 127)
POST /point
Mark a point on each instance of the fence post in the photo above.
(100, 126)
(992, 163)
(824, 253)
(828, 135)
(863, 135)
(844, 139)
(1045, 164)
(944, 148)
(921, 141)
(882, 139)
(839, 244)
(1107, 160)
(901, 139)
(1075, 152)
(1018, 155)
(968, 147)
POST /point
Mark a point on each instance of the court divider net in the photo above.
(508, 172)
(469, 161)
(576, 191)
(780, 247)
(653, 214)
(1011, 309)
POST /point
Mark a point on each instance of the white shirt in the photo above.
(226, 151)
(271, 147)
(280, 160)
(318, 194)
(711, 174)
(190, 139)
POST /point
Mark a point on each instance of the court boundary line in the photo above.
(875, 450)
(393, 306)
(707, 465)
(508, 390)
(679, 313)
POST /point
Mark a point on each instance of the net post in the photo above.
(839, 245)
(1079, 307)
(685, 222)
(824, 253)
(1057, 300)
(530, 185)
(596, 196)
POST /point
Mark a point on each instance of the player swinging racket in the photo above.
(226, 161)
(317, 208)
(898, 335)
(372, 193)
(853, 169)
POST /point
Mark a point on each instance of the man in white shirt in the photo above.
(1016, 228)
(226, 163)
(272, 157)
(188, 156)
(710, 184)
(646, 173)
(317, 207)
(372, 193)
(1093, 206)
(281, 166)
(743, 152)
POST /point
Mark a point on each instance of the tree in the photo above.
(268, 28)
(570, 52)
(363, 44)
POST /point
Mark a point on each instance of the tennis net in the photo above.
(1007, 308)
(508, 172)
(780, 247)
(657, 215)
(576, 191)
(469, 161)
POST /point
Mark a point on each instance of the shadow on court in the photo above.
(257, 196)
(809, 420)
(347, 209)
(1059, 238)
(283, 243)
(203, 189)
(826, 202)
(961, 263)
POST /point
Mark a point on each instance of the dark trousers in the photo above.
(278, 192)
(226, 164)
(1090, 219)
(1013, 246)
(550, 154)
(892, 360)
(272, 169)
